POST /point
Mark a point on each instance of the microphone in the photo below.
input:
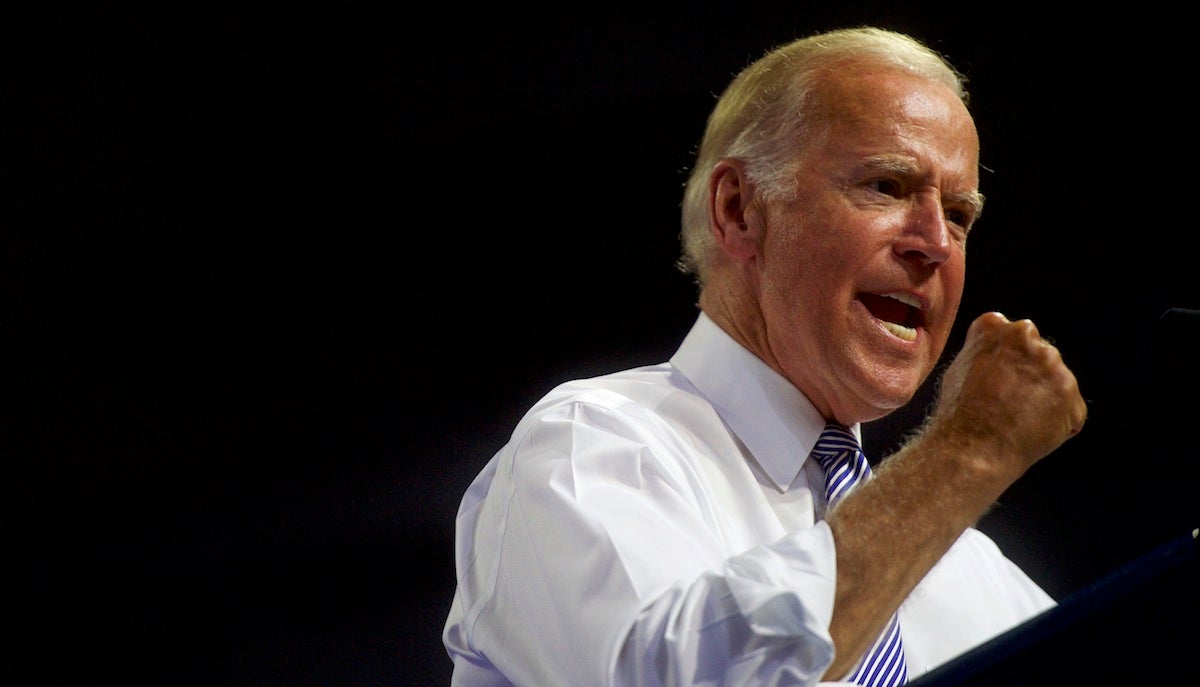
(1181, 318)
(1177, 345)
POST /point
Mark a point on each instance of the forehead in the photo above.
(887, 112)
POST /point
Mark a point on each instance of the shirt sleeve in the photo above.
(595, 560)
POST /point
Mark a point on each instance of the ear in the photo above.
(729, 211)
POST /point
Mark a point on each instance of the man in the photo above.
(668, 526)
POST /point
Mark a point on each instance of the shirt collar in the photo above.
(777, 423)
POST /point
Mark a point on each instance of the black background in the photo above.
(278, 283)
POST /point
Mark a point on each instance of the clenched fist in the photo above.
(1008, 389)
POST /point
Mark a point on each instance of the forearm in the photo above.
(896, 527)
(762, 619)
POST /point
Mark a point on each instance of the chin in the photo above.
(887, 393)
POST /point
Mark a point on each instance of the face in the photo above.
(859, 277)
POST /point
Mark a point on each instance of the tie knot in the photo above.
(838, 453)
(833, 442)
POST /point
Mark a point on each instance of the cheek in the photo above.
(808, 278)
(952, 276)
(809, 249)
(789, 263)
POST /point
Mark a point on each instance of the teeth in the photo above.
(907, 299)
(906, 333)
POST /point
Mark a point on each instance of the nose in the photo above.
(926, 237)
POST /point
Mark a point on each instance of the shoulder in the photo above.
(639, 394)
(644, 414)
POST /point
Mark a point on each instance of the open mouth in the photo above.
(900, 313)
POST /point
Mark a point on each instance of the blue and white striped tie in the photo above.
(845, 465)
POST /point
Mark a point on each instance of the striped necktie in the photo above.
(838, 453)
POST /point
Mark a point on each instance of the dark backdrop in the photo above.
(278, 283)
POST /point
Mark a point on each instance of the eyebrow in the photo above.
(973, 199)
(882, 163)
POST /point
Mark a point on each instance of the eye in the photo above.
(888, 187)
(961, 218)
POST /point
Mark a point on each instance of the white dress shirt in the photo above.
(661, 526)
